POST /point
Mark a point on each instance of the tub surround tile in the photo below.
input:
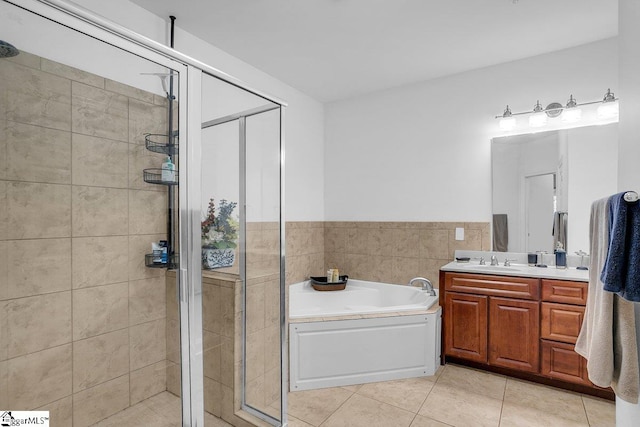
(99, 211)
(99, 402)
(37, 154)
(37, 210)
(434, 243)
(471, 408)
(98, 112)
(37, 323)
(39, 378)
(99, 261)
(147, 343)
(148, 381)
(100, 309)
(360, 410)
(38, 266)
(99, 162)
(99, 359)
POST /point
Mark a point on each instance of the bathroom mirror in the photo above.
(536, 175)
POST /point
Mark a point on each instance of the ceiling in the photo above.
(336, 49)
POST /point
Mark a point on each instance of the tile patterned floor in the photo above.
(456, 396)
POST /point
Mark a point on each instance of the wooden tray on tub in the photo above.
(321, 284)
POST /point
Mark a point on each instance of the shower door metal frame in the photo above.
(242, 140)
(189, 277)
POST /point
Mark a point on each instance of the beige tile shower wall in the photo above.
(395, 252)
(82, 320)
(305, 250)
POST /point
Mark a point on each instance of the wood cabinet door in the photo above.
(514, 334)
(559, 360)
(561, 322)
(466, 326)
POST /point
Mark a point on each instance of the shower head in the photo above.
(7, 50)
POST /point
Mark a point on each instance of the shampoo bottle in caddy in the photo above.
(168, 170)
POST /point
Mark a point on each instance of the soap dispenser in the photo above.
(561, 256)
(168, 170)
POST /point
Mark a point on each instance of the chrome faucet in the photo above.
(507, 262)
(426, 285)
(494, 260)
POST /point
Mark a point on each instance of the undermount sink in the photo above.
(492, 268)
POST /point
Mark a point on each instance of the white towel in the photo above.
(608, 335)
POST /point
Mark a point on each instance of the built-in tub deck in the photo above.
(397, 335)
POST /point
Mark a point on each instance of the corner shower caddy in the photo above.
(154, 176)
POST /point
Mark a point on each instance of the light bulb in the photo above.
(608, 110)
(538, 120)
(507, 123)
(571, 115)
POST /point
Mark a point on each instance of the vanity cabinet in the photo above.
(522, 326)
(492, 319)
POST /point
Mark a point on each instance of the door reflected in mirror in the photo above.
(536, 175)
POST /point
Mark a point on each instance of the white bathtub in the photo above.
(366, 333)
(359, 297)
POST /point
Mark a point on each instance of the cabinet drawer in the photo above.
(559, 360)
(564, 291)
(561, 322)
(484, 284)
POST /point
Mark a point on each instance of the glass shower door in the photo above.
(242, 258)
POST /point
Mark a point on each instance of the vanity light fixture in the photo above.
(609, 107)
(507, 121)
(572, 113)
(569, 113)
(539, 117)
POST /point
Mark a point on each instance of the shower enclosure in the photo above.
(95, 328)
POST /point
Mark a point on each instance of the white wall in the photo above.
(422, 152)
(304, 132)
(627, 414)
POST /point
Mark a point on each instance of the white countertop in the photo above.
(516, 269)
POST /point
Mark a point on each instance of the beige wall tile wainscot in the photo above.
(392, 252)
(83, 321)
